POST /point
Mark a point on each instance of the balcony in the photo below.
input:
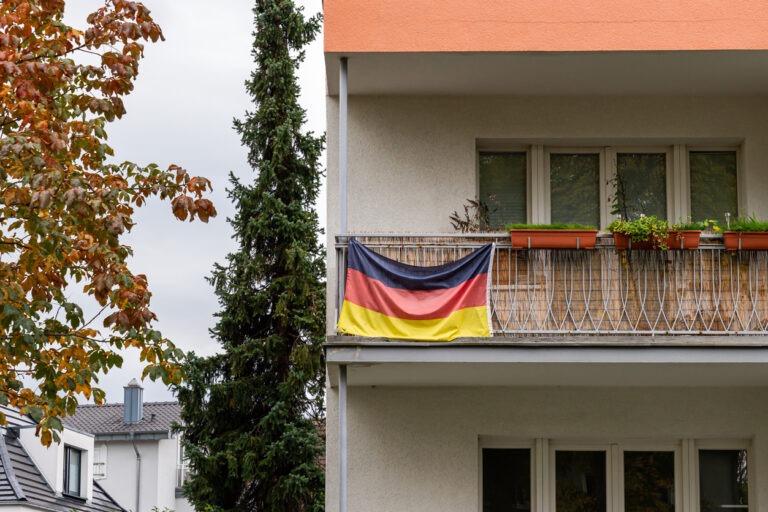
(708, 291)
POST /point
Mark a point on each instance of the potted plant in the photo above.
(552, 236)
(747, 233)
(686, 234)
(645, 232)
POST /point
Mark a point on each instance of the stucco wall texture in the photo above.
(417, 449)
(543, 25)
(412, 160)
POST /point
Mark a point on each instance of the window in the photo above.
(72, 471)
(543, 184)
(100, 461)
(574, 188)
(613, 477)
(503, 185)
(723, 481)
(580, 480)
(182, 463)
(713, 185)
(641, 184)
(507, 480)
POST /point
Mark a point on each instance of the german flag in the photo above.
(389, 299)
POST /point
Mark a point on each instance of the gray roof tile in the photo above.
(108, 418)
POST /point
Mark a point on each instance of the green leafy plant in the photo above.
(548, 226)
(749, 223)
(648, 228)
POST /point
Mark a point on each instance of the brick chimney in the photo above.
(133, 404)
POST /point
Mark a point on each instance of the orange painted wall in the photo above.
(544, 25)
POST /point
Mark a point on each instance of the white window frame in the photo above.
(546, 201)
(501, 443)
(82, 470)
(686, 451)
(720, 444)
(678, 190)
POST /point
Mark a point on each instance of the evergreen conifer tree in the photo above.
(250, 413)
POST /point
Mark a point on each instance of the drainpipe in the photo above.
(138, 470)
(343, 146)
(343, 438)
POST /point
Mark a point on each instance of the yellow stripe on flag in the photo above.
(467, 322)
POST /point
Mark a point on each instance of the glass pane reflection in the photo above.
(649, 481)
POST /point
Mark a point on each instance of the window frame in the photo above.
(686, 457)
(727, 444)
(68, 451)
(692, 148)
(602, 173)
(538, 190)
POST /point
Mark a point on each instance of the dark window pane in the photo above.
(723, 480)
(503, 187)
(580, 481)
(649, 481)
(713, 185)
(506, 480)
(575, 188)
(644, 177)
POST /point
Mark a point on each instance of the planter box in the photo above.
(684, 239)
(745, 240)
(623, 242)
(687, 239)
(553, 238)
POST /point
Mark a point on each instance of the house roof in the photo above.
(108, 418)
(21, 483)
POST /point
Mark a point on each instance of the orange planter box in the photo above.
(745, 240)
(553, 238)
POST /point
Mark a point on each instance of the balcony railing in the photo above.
(603, 291)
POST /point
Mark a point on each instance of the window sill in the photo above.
(74, 496)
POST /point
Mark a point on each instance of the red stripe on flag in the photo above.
(414, 304)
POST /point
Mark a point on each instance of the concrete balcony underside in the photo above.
(613, 73)
(535, 362)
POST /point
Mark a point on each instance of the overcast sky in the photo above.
(188, 91)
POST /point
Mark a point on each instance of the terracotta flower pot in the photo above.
(684, 239)
(746, 240)
(553, 238)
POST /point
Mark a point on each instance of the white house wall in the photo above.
(120, 482)
(50, 459)
(417, 449)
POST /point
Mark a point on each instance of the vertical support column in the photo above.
(343, 95)
(343, 438)
(543, 485)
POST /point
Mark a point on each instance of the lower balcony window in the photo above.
(613, 478)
